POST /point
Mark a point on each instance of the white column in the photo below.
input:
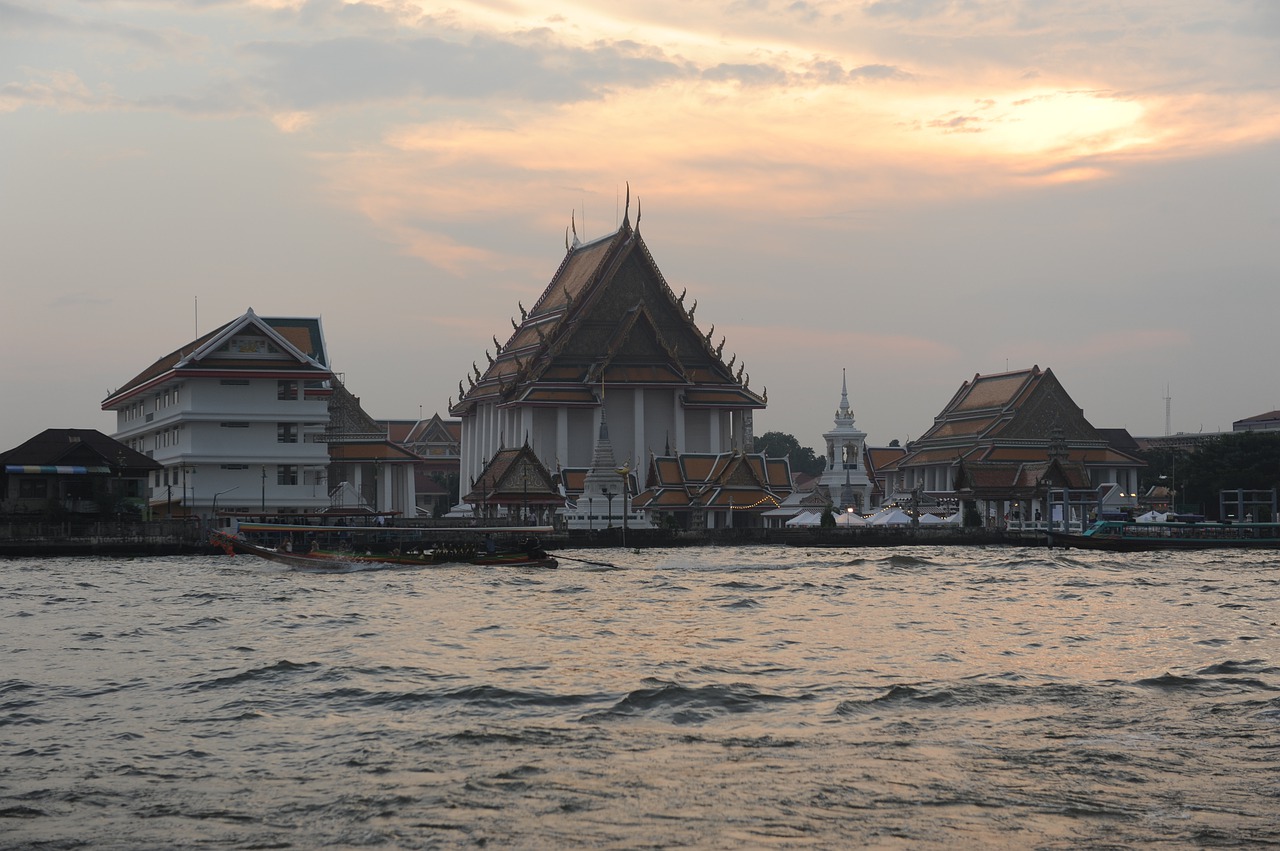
(385, 499)
(639, 453)
(410, 492)
(679, 412)
(562, 436)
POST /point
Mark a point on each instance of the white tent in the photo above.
(805, 518)
(850, 518)
(891, 517)
(954, 519)
(1151, 517)
(927, 519)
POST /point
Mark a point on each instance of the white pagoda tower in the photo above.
(845, 477)
(604, 502)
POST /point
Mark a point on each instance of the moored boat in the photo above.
(1129, 536)
(342, 562)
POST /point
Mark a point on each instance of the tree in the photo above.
(777, 444)
(1249, 460)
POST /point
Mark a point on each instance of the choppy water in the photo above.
(709, 698)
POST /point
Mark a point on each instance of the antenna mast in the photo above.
(1168, 402)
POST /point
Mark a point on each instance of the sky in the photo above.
(912, 191)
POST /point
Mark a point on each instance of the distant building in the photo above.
(74, 471)
(368, 471)
(437, 443)
(236, 418)
(882, 467)
(249, 419)
(700, 491)
(607, 334)
(1269, 421)
(1004, 441)
(1182, 441)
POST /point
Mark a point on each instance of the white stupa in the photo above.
(845, 477)
(601, 503)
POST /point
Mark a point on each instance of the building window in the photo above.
(287, 474)
(286, 391)
(33, 488)
(286, 433)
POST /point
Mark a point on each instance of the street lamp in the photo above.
(214, 510)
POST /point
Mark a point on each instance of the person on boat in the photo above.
(490, 545)
(533, 548)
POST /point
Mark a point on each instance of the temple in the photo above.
(1005, 441)
(607, 347)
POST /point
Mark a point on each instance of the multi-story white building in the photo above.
(236, 417)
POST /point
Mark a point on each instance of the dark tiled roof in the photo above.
(607, 316)
(77, 447)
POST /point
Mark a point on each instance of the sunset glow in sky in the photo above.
(914, 190)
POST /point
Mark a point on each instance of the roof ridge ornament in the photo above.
(626, 210)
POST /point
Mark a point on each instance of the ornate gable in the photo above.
(513, 476)
(608, 314)
(1046, 408)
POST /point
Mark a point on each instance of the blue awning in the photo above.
(52, 469)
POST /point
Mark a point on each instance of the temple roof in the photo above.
(727, 479)
(514, 476)
(1012, 418)
(607, 317)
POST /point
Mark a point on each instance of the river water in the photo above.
(758, 697)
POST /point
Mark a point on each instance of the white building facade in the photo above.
(237, 418)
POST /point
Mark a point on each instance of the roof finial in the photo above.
(573, 223)
(637, 214)
(626, 210)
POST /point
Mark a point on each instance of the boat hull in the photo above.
(331, 562)
(1137, 537)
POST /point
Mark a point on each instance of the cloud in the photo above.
(52, 89)
(355, 70)
(18, 18)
